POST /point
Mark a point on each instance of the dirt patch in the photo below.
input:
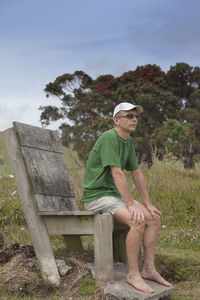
(15, 249)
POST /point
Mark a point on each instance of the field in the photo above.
(173, 190)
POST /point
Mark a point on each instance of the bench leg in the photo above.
(119, 245)
(36, 225)
(103, 247)
(73, 243)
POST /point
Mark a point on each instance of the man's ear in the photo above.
(116, 121)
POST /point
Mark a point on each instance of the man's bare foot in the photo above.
(138, 283)
(155, 276)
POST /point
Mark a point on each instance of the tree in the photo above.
(149, 87)
(87, 105)
(86, 108)
(184, 81)
(177, 138)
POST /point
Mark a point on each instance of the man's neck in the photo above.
(123, 134)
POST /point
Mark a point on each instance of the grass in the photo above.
(87, 287)
(182, 268)
(173, 190)
(180, 238)
(5, 167)
(176, 192)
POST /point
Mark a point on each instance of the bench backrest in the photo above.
(46, 168)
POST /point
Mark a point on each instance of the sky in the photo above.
(43, 39)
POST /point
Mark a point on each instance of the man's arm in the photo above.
(122, 186)
(141, 186)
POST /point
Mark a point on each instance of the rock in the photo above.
(62, 267)
(33, 263)
(121, 290)
(120, 270)
(91, 268)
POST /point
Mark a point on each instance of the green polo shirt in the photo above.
(109, 150)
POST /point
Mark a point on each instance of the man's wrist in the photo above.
(146, 202)
(130, 203)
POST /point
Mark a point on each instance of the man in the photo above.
(106, 189)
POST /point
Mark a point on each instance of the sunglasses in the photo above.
(129, 116)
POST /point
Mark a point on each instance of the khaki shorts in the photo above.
(106, 204)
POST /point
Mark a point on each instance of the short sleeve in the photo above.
(132, 163)
(109, 153)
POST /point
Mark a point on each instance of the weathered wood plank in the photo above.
(69, 225)
(103, 247)
(36, 225)
(55, 203)
(48, 172)
(37, 137)
(69, 213)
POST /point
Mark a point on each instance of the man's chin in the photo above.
(132, 129)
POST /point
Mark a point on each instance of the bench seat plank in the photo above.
(68, 213)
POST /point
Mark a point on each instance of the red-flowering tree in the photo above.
(87, 105)
(148, 86)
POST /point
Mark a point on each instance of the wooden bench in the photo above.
(49, 204)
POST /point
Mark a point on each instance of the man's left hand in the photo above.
(153, 210)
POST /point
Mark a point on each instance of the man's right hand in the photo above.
(136, 213)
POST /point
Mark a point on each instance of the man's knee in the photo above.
(157, 220)
(139, 227)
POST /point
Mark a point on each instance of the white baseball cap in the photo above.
(127, 106)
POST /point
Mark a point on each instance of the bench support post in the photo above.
(103, 247)
(36, 224)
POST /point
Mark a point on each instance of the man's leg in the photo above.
(133, 241)
(149, 243)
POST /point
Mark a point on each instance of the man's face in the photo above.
(127, 120)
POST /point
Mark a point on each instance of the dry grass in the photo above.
(175, 191)
(17, 276)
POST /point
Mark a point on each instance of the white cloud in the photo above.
(24, 110)
(17, 110)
